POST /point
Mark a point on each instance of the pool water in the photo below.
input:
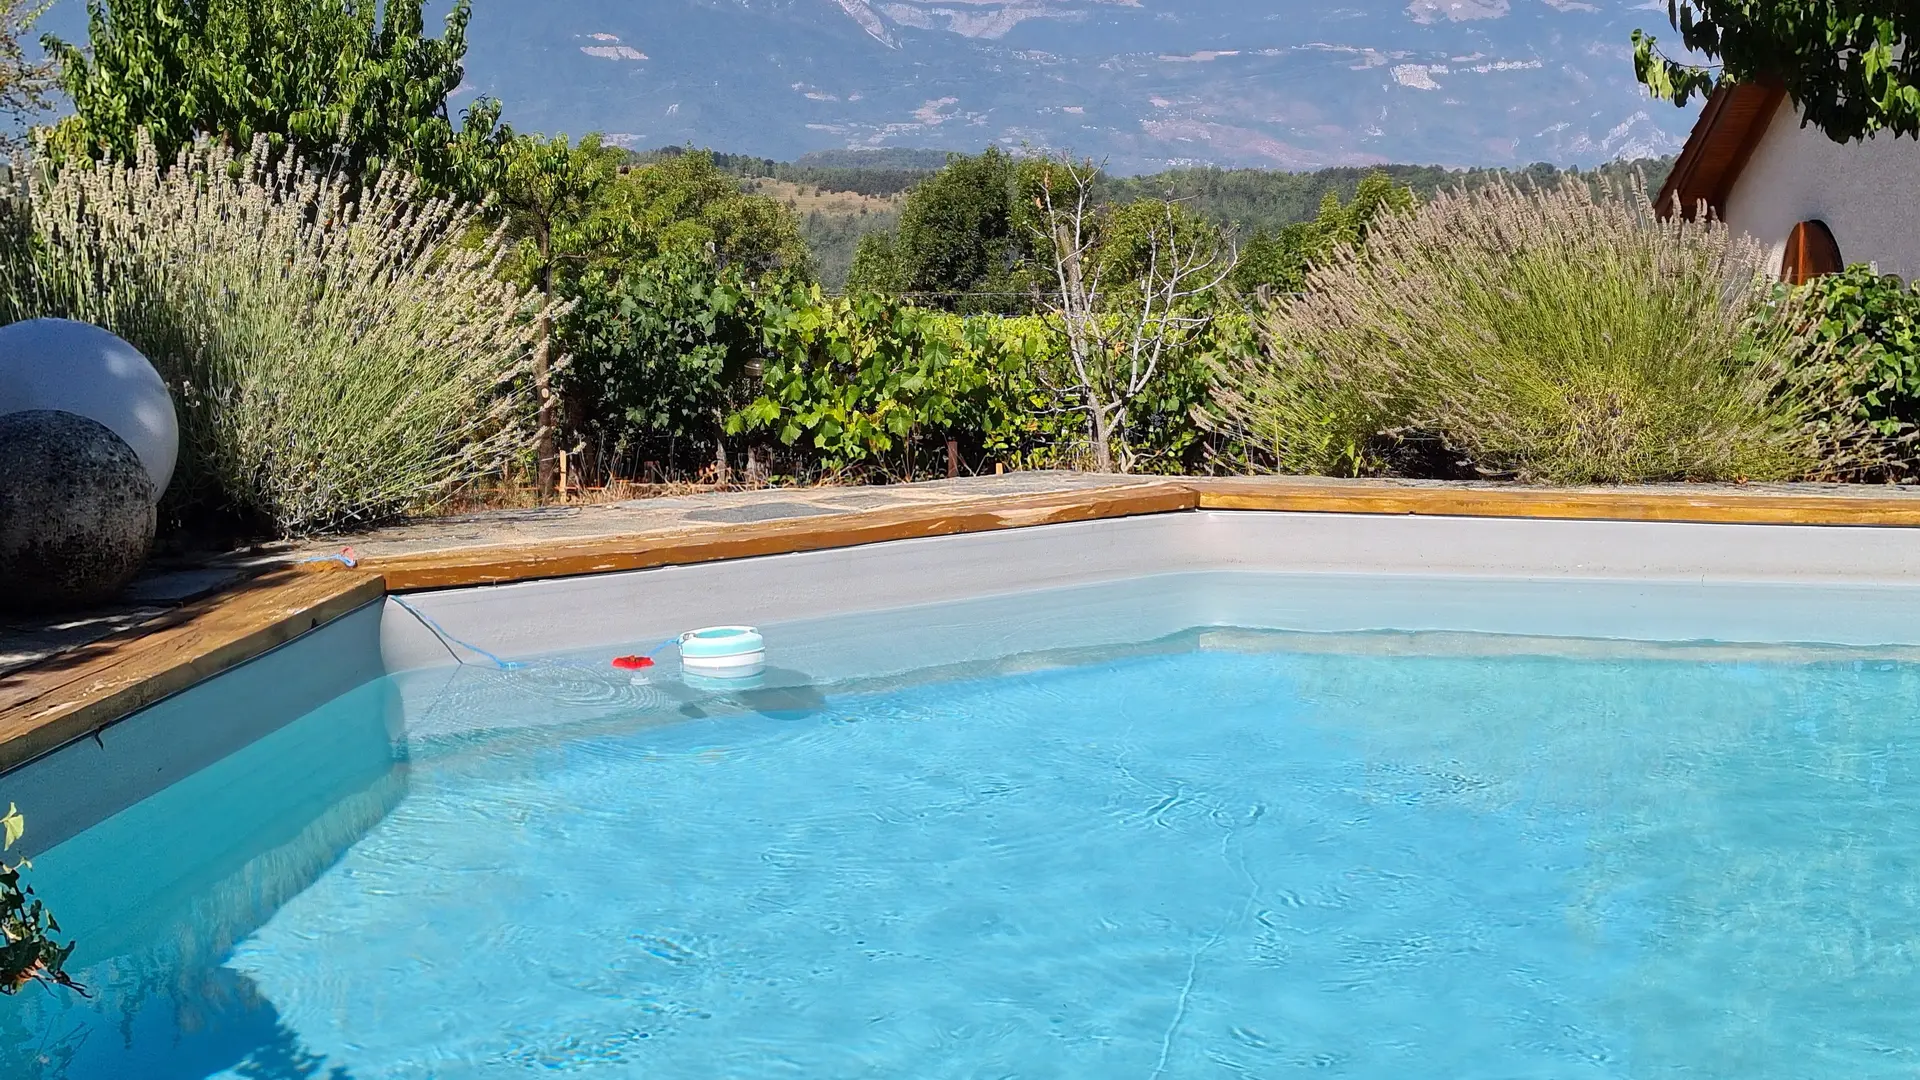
(1230, 856)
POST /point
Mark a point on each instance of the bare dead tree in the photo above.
(1118, 332)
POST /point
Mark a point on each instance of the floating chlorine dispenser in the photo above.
(723, 652)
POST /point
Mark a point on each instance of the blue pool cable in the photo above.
(344, 558)
(504, 665)
(441, 632)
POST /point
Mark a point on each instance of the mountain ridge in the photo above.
(1141, 84)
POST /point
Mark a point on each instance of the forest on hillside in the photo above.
(842, 196)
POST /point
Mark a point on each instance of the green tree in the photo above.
(553, 198)
(1130, 292)
(659, 346)
(24, 81)
(684, 202)
(1133, 235)
(1275, 261)
(1278, 262)
(662, 262)
(876, 266)
(961, 241)
(1376, 195)
(347, 84)
(1848, 64)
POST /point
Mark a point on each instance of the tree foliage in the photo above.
(659, 347)
(551, 200)
(25, 81)
(30, 952)
(664, 261)
(1279, 261)
(1848, 64)
(553, 197)
(961, 241)
(348, 84)
(872, 383)
(1130, 289)
(685, 202)
(1877, 317)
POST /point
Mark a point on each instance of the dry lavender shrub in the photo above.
(1557, 337)
(336, 360)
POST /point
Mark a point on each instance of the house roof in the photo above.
(1732, 124)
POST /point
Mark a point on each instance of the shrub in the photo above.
(1555, 336)
(336, 359)
(864, 383)
(1877, 317)
(29, 951)
(659, 351)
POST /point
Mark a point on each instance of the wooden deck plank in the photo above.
(641, 551)
(79, 693)
(1718, 506)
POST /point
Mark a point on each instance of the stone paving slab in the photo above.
(27, 640)
(674, 513)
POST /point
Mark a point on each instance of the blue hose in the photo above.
(441, 632)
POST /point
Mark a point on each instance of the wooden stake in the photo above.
(953, 458)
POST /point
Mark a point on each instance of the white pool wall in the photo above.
(90, 779)
(1625, 579)
(898, 606)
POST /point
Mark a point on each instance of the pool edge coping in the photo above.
(75, 695)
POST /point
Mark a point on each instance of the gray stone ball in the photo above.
(77, 367)
(76, 511)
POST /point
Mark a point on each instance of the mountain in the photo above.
(1145, 84)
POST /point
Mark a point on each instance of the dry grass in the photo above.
(804, 199)
(1547, 336)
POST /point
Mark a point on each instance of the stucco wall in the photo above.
(1868, 193)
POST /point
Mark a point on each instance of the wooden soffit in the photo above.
(1730, 127)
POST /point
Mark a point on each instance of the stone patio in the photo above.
(28, 640)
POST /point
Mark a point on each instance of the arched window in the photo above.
(1811, 252)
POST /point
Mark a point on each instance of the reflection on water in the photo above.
(158, 895)
(1218, 853)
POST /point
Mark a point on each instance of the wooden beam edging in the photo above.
(680, 547)
(1576, 504)
(77, 693)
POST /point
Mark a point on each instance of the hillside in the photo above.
(832, 221)
(842, 196)
(1143, 84)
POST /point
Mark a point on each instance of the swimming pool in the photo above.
(1233, 821)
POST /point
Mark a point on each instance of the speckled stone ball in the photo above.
(77, 367)
(76, 511)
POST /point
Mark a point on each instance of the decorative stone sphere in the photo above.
(76, 511)
(79, 368)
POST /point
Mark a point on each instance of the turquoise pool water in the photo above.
(1228, 855)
